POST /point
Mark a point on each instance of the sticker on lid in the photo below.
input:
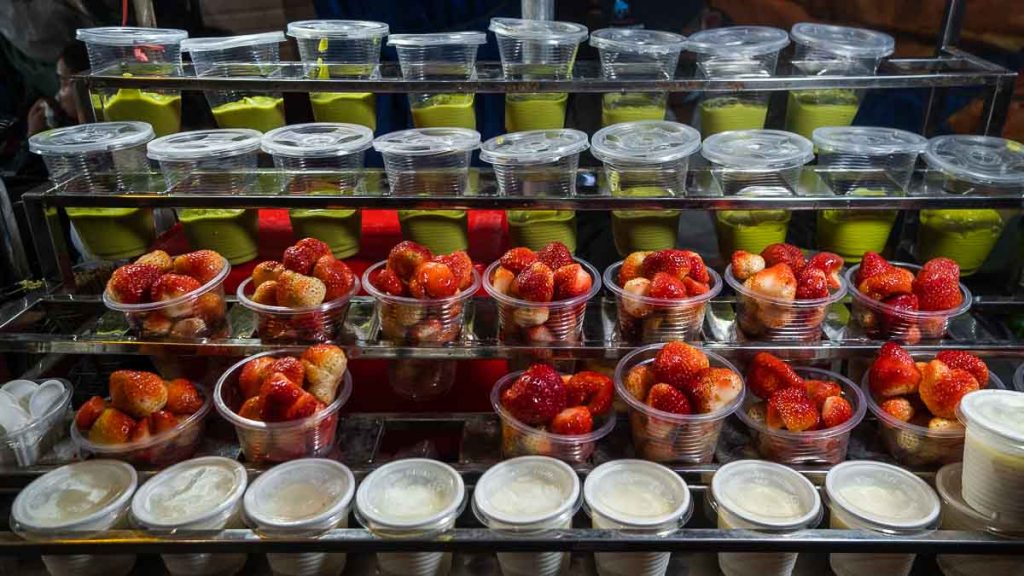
(868, 140)
(978, 159)
(758, 149)
(426, 141)
(637, 41)
(643, 142)
(317, 140)
(843, 41)
(738, 41)
(549, 31)
(337, 29)
(204, 144)
(533, 147)
(87, 138)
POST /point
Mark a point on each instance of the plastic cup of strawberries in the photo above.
(303, 298)
(180, 297)
(905, 302)
(544, 413)
(661, 296)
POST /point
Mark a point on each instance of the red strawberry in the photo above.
(266, 294)
(776, 281)
(266, 271)
(893, 373)
(252, 408)
(667, 287)
(535, 284)
(137, 393)
(768, 373)
(820, 390)
(714, 388)
(319, 248)
(695, 288)
(835, 411)
(898, 407)
(162, 421)
(573, 422)
(555, 255)
(698, 271)
(965, 361)
(889, 282)
(639, 380)
(632, 267)
(571, 280)
(941, 268)
(460, 265)
(871, 265)
(812, 284)
(296, 290)
(668, 399)
(254, 372)
(902, 302)
(158, 258)
(406, 256)
(89, 412)
(593, 390)
(130, 284)
(790, 408)
(432, 280)
(502, 279)
(670, 261)
(536, 396)
(387, 281)
(784, 254)
(171, 286)
(745, 264)
(830, 264)
(183, 397)
(518, 259)
(336, 276)
(942, 388)
(203, 265)
(936, 286)
(299, 259)
(278, 393)
(291, 367)
(678, 363)
(111, 427)
(304, 406)
(141, 430)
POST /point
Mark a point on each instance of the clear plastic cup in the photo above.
(149, 52)
(204, 494)
(762, 497)
(283, 324)
(537, 162)
(201, 313)
(826, 446)
(251, 55)
(665, 437)
(645, 320)
(994, 455)
(414, 497)
(769, 161)
(521, 439)
(80, 500)
(302, 498)
(313, 436)
(635, 497)
(528, 495)
(23, 446)
(627, 53)
(883, 499)
(439, 56)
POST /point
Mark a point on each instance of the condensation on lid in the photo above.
(769, 495)
(74, 496)
(189, 492)
(130, 35)
(758, 149)
(86, 138)
(340, 29)
(438, 39)
(300, 493)
(999, 412)
(978, 159)
(547, 31)
(226, 42)
(738, 41)
(868, 140)
(533, 146)
(204, 144)
(317, 140)
(410, 494)
(661, 491)
(525, 491)
(646, 141)
(637, 41)
(885, 497)
(427, 141)
(843, 41)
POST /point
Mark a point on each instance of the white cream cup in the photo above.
(993, 473)
(77, 501)
(411, 497)
(199, 494)
(762, 496)
(637, 497)
(305, 497)
(868, 495)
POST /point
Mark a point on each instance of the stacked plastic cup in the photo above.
(341, 49)
(735, 52)
(863, 161)
(101, 158)
(254, 55)
(635, 497)
(827, 50)
(201, 494)
(883, 499)
(439, 56)
(148, 52)
(33, 416)
(415, 497)
(213, 160)
(528, 495)
(994, 455)
(303, 498)
(962, 165)
(645, 159)
(636, 54)
(762, 497)
(326, 158)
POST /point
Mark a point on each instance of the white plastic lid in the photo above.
(868, 140)
(766, 494)
(189, 492)
(999, 412)
(74, 496)
(130, 35)
(978, 159)
(533, 146)
(204, 144)
(317, 140)
(86, 138)
(300, 494)
(438, 39)
(530, 491)
(548, 31)
(758, 149)
(427, 141)
(637, 493)
(412, 494)
(738, 41)
(637, 41)
(226, 42)
(883, 497)
(645, 142)
(844, 41)
(337, 29)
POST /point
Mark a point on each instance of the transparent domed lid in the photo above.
(226, 42)
(317, 140)
(548, 31)
(868, 140)
(414, 494)
(427, 141)
(304, 493)
(844, 41)
(533, 146)
(739, 41)
(130, 35)
(204, 144)
(883, 497)
(978, 159)
(87, 138)
(637, 41)
(526, 491)
(766, 494)
(438, 39)
(999, 412)
(337, 29)
(646, 141)
(758, 149)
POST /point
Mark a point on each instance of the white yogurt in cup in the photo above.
(868, 495)
(994, 455)
(77, 500)
(198, 494)
(640, 497)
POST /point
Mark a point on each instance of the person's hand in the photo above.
(37, 117)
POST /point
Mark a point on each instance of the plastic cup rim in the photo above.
(667, 42)
(250, 144)
(767, 46)
(363, 143)
(316, 521)
(123, 499)
(899, 312)
(490, 153)
(60, 405)
(728, 161)
(681, 152)
(507, 300)
(610, 282)
(808, 519)
(927, 524)
(373, 521)
(679, 516)
(537, 523)
(547, 32)
(409, 300)
(105, 35)
(324, 28)
(37, 143)
(740, 289)
(328, 306)
(144, 518)
(1002, 432)
(154, 306)
(593, 436)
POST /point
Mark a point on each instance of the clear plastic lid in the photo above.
(881, 497)
(75, 496)
(438, 39)
(337, 29)
(533, 146)
(415, 494)
(868, 140)
(978, 159)
(766, 495)
(999, 412)
(548, 31)
(637, 493)
(130, 35)
(189, 492)
(843, 41)
(204, 144)
(758, 149)
(645, 142)
(738, 41)
(226, 42)
(87, 138)
(317, 140)
(305, 493)
(956, 513)
(637, 41)
(527, 492)
(427, 141)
